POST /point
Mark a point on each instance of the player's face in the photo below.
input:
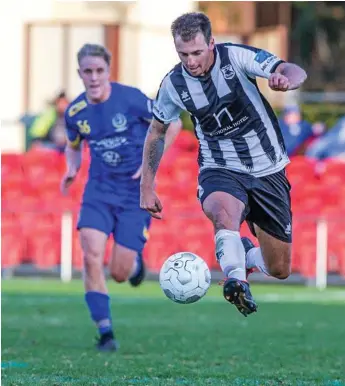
(94, 72)
(196, 55)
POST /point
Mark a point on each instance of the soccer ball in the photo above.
(185, 277)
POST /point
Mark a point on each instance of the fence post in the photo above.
(66, 246)
(321, 254)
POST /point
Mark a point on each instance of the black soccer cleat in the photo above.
(237, 292)
(136, 280)
(107, 343)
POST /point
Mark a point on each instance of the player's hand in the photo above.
(137, 174)
(278, 82)
(67, 181)
(150, 202)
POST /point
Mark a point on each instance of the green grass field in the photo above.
(296, 338)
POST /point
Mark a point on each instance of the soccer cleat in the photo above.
(107, 343)
(136, 280)
(248, 245)
(237, 292)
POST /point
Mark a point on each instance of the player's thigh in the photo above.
(95, 224)
(223, 197)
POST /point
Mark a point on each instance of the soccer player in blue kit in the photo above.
(113, 119)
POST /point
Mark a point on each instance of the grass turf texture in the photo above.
(296, 338)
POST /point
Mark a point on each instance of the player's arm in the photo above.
(255, 62)
(73, 155)
(287, 76)
(165, 112)
(172, 132)
(152, 154)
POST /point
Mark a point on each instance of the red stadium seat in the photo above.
(13, 246)
(12, 176)
(163, 242)
(301, 169)
(332, 173)
(305, 246)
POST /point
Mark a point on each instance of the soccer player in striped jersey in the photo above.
(242, 155)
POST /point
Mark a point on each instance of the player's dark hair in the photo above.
(189, 24)
(94, 50)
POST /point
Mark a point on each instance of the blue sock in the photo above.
(99, 307)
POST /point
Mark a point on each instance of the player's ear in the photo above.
(211, 44)
(79, 72)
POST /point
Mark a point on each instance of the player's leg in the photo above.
(131, 233)
(223, 197)
(274, 255)
(270, 220)
(95, 224)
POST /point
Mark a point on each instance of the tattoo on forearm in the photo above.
(156, 149)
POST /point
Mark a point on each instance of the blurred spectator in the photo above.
(295, 130)
(331, 144)
(48, 128)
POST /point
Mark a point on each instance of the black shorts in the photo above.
(267, 199)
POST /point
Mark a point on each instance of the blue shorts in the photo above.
(114, 212)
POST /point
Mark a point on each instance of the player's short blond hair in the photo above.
(94, 50)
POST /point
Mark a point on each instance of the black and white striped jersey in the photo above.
(236, 127)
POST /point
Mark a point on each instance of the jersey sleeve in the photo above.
(72, 131)
(254, 61)
(142, 104)
(165, 109)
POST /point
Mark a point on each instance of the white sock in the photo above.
(135, 268)
(254, 259)
(230, 254)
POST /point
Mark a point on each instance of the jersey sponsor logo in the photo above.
(232, 127)
(262, 56)
(228, 71)
(265, 64)
(111, 158)
(119, 122)
(74, 109)
(109, 143)
(84, 127)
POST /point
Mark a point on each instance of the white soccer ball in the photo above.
(185, 277)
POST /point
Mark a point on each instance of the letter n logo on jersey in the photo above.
(84, 127)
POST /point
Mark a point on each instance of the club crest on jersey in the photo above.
(119, 122)
(228, 71)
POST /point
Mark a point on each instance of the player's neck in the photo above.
(210, 64)
(105, 96)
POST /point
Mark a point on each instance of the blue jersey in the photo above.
(115, 131)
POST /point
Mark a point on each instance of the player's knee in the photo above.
(92, 258)
(119, 275)
(280, 269)
(281, 273)
(222, 220)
